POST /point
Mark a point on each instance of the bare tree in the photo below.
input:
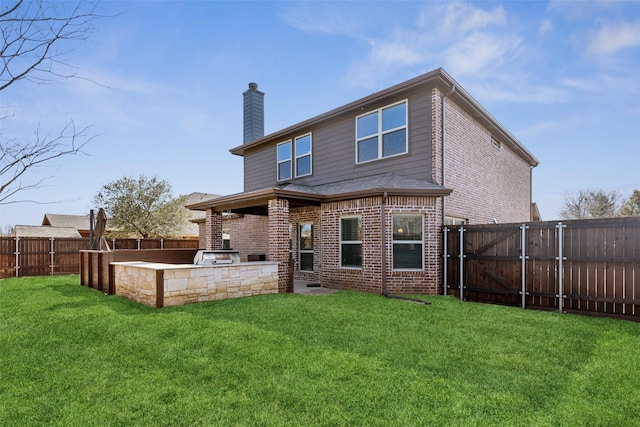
(36, 37)
(590, 204)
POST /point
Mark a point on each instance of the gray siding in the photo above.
(334, 150)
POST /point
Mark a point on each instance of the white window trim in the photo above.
(421, 242)
(305, 251)
(290, 159)
(380, 133)
(341, 242)
(304, 155)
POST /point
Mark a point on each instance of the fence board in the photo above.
(45, 256)
(600, 268)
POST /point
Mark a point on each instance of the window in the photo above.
(449, 220)
(303, 155)
(294, 159)
(305, 247)
(226, 239)
(382, 133)
(284, 161)
(408, 231)
(351, 242)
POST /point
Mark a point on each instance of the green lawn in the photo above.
(72, 356)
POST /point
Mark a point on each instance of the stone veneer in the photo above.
(160, 285)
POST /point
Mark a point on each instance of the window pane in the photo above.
(303, 166)
(306, 261)
(303, 145)
(284, 170)
(226, 239)
(407, 227)
(351, 229)
(394, 117)
(351, 255)
(407, 255)
(306, 237)
(394, 143)
(284, 151)
(367, 125)
(368, 149)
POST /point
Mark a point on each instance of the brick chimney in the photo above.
(253, 113)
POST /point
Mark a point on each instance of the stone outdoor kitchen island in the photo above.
(163, 285)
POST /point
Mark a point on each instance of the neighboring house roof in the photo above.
(197, 216)
(79, 222)
(389, 184)
(438, 78)
(46, 231)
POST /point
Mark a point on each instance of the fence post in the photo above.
(138, 240)
(445, 256)
(161, 243)
(17, 256)
(523, 258)
(462, 257)
(51, 252)
(560, 258)
(113, 243)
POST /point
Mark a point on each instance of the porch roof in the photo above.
(255, 202)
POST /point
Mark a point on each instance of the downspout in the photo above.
(383, 253)
(443, 134)
(531, 193)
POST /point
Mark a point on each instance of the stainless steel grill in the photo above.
(204, 257)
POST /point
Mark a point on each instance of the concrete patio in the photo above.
(311, 288)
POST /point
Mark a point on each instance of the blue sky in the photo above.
(162, 86)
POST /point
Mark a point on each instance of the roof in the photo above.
(436, 78)
(376, 185)
(79, 222)
(46, 231)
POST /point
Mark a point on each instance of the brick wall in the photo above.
(488, 181)
(278, 238)
(213, 224)
(369, 278)
(249, 234)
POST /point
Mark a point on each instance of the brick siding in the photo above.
(488, 182)
(278, 239)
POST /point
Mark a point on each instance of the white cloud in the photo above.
(461, 18)
(614, 37)
(545, 27)
(394, 53)
(322, 18)
(478, 51)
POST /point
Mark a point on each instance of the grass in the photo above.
(73, 356)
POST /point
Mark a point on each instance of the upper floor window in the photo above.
(303, 155)
(284, 161)
(294, 158)
(382, 133)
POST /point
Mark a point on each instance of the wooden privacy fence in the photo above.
(30, 256)
(580, 266)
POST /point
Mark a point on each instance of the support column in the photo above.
(213, 225)
(279, 241)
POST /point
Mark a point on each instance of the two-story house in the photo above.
(358, 195)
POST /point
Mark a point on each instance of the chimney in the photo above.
(253, 113)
